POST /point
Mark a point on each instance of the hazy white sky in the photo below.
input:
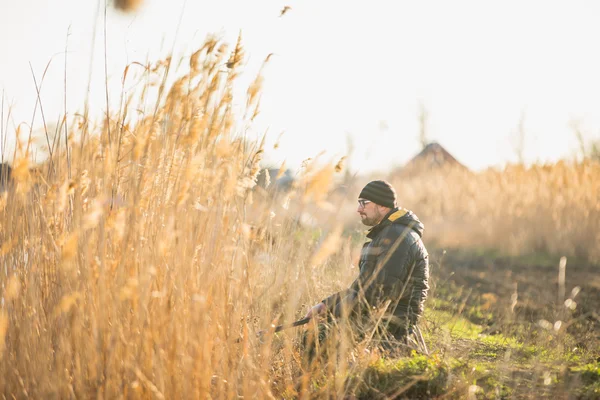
(342, 68)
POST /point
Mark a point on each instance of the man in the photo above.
(392, 284)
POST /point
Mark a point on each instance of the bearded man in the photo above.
(392, 285)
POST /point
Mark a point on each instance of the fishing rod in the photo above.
(279, 328)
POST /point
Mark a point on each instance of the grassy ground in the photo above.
(136, 256)
(491, 325)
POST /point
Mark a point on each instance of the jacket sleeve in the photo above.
(389, 261)
(332, 301)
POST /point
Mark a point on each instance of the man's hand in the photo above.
(316, 310)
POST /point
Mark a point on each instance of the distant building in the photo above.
(432, 157)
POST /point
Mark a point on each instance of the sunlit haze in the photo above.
(344, 75)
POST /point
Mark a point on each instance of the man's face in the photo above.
(370, 213)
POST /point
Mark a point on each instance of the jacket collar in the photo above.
(389, 218)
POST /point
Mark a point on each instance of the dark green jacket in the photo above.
(394, 267)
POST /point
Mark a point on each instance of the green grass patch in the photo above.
(589, 377)
(456, 325)
(416, 376)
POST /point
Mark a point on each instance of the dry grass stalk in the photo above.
(128, 5)
(135, 277)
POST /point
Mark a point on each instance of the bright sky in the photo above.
(343, 69)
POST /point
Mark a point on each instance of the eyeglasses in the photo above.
(363, 203)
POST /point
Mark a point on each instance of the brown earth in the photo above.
(518, 290)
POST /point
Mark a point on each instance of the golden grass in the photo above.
(552, 208)
(132, 266)
(133, 277)
(128, 5)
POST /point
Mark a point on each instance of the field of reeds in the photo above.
(140, 260)
(552, 208)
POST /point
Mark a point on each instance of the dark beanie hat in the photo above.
(379, 192)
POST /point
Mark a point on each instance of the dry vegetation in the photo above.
(133, 261)
(128, 5)
(543, 208)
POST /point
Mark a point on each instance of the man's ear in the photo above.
(383, 209)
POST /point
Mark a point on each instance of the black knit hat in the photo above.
(379, 192)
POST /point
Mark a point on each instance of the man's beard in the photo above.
(369, 221)
(372, 221)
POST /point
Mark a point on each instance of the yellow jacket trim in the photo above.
(398, 214)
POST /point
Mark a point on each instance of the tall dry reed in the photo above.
(553, 208)
(131, 266)
(134, 277)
